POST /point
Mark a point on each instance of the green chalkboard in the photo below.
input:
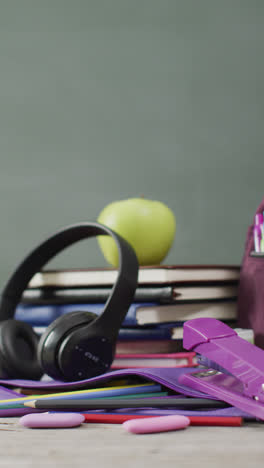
(109, 99)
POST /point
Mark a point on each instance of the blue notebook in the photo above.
(43, 315)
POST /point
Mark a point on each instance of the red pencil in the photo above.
(194, 420)
(216, 420)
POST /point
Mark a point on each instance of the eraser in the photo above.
(52, 420)
(156, 424)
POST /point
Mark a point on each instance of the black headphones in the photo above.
(77, 345)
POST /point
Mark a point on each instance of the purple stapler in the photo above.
(236, 373)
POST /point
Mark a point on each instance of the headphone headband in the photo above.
(122, 292)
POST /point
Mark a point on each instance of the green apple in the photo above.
(149, 226)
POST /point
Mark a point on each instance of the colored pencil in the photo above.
(101, 403)
(216, 420)
(123, 397)
(87, 394)
(194, 420)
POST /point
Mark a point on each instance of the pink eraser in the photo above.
(156, 424)
(50, 420)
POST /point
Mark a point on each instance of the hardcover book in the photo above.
(160, 274)
(138, 313)
(184, 359)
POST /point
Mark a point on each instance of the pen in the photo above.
(101, 403)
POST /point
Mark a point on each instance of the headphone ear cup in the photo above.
(50, 341)
(18, 351)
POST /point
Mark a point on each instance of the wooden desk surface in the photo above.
(108, 445)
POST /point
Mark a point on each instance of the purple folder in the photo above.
(168, 377)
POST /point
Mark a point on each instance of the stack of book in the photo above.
(166, 296)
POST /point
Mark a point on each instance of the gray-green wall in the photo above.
(108, 99)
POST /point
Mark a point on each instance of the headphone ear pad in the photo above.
(18, 351)
(49, 343)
